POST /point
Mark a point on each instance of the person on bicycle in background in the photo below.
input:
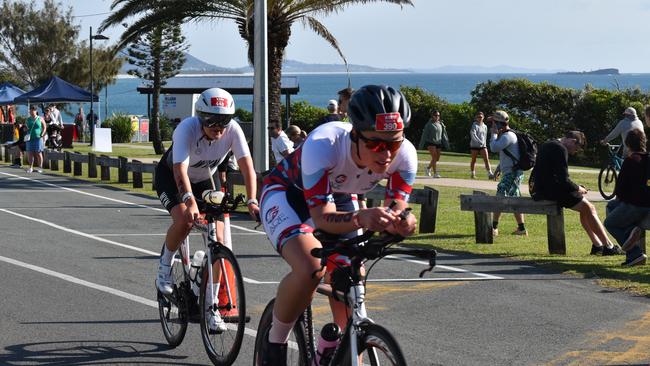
(315, 188)
(199, 144)
(629, 122)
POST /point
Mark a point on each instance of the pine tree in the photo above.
(158, 56)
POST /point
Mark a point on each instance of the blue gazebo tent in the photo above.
(55, 90)
(8, 92)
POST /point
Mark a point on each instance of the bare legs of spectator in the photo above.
(435, 156)
(592, 225)
(519, 217)
(486, 160)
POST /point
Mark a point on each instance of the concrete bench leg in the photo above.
(555, 232)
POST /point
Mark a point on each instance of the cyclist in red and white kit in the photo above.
(199, 144)
(315, 188)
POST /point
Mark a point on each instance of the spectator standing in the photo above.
(503, 138)
(434, 138)
(647, 115)
(56, 115)
(91, 119)
(34, 146)
(2, 115)
(550, 180)
(10, 114)
(333, 115)
(632, 203)
(295, 135)
(280, 143)
(344, 100)
(79, 122)
(18, 146)
(478, 144)
(629, 122)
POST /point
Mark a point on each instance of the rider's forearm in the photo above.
(336, 222)
(181, 178)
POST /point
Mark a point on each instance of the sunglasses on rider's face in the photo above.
(214, 120)
(378, 145)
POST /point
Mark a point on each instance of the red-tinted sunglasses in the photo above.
(378, 145)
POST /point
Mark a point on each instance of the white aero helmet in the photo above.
(215, 106)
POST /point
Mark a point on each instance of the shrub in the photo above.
(166, 130)
(243, 115)
(121, 129)
(304, 115)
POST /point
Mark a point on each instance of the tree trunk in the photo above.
(275, 80)
(154, 125)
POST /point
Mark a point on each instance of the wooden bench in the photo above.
(426, 197)
(483, 205)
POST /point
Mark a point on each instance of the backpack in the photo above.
(527, 151)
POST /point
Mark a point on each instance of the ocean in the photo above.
(317, 89)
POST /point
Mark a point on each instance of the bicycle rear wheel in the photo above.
(378, 347)
(173, 309)
(607, 181)
(297, 350)
(223, 346)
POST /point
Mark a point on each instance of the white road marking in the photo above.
(115, 200)
(482, 275)
(94, 237)
(102, 288)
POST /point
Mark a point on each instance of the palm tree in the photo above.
(282, 14)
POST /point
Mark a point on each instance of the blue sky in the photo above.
(551, 34)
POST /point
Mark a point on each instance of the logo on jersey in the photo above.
(272, 213)
(340, 179)
(218, 102)
(389, 122)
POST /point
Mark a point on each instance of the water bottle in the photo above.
(214, 197)
(195, 266)
(329, 339)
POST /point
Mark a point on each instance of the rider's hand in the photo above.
(405, 227)
(191, 210)
(254, 211)
(497, 174)
(602, 142)
(376, 218)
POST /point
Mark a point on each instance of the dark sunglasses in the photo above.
(378, 145)
(214, 120)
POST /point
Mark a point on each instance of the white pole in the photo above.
(260, 91)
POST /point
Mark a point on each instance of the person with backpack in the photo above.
(505, 142)
(550, 180)
(632, 203)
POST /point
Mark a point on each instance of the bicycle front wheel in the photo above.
(607, 181)
(378, 347)
(224, 301)
(173, 309)
(297, 350)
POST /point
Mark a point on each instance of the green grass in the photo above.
(135, 150)
(455, 228)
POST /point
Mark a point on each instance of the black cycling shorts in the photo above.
(168, 192)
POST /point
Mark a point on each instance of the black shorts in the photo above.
(437, 146)
(563, 199)
(477, 148)
(168, 192)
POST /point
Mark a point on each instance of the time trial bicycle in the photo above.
(202, 291)
(609, 172)
(361, 336)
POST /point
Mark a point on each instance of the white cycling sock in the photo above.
(167, 256)
(279, 332)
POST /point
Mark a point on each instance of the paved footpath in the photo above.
(78, 262)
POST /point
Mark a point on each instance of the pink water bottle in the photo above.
(327, 342)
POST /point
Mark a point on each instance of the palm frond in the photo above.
(320, 29)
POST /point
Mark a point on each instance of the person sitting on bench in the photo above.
(550, 181)
(632, 203)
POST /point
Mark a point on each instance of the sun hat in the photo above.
(500, 116)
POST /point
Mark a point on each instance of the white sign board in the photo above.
(102, 140)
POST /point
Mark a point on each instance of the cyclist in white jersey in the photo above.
(307, 191)
(199, 144)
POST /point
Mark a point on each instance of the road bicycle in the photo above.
(201, 289)
(609, 172)
(361, 336)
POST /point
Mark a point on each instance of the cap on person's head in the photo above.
(332, 105)
(500, 116)
(293, 130)
(580, 138)
(630, 111)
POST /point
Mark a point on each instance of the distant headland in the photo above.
(592, 72)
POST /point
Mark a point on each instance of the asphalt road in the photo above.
(79, 260)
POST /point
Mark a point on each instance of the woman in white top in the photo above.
(477, 144)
